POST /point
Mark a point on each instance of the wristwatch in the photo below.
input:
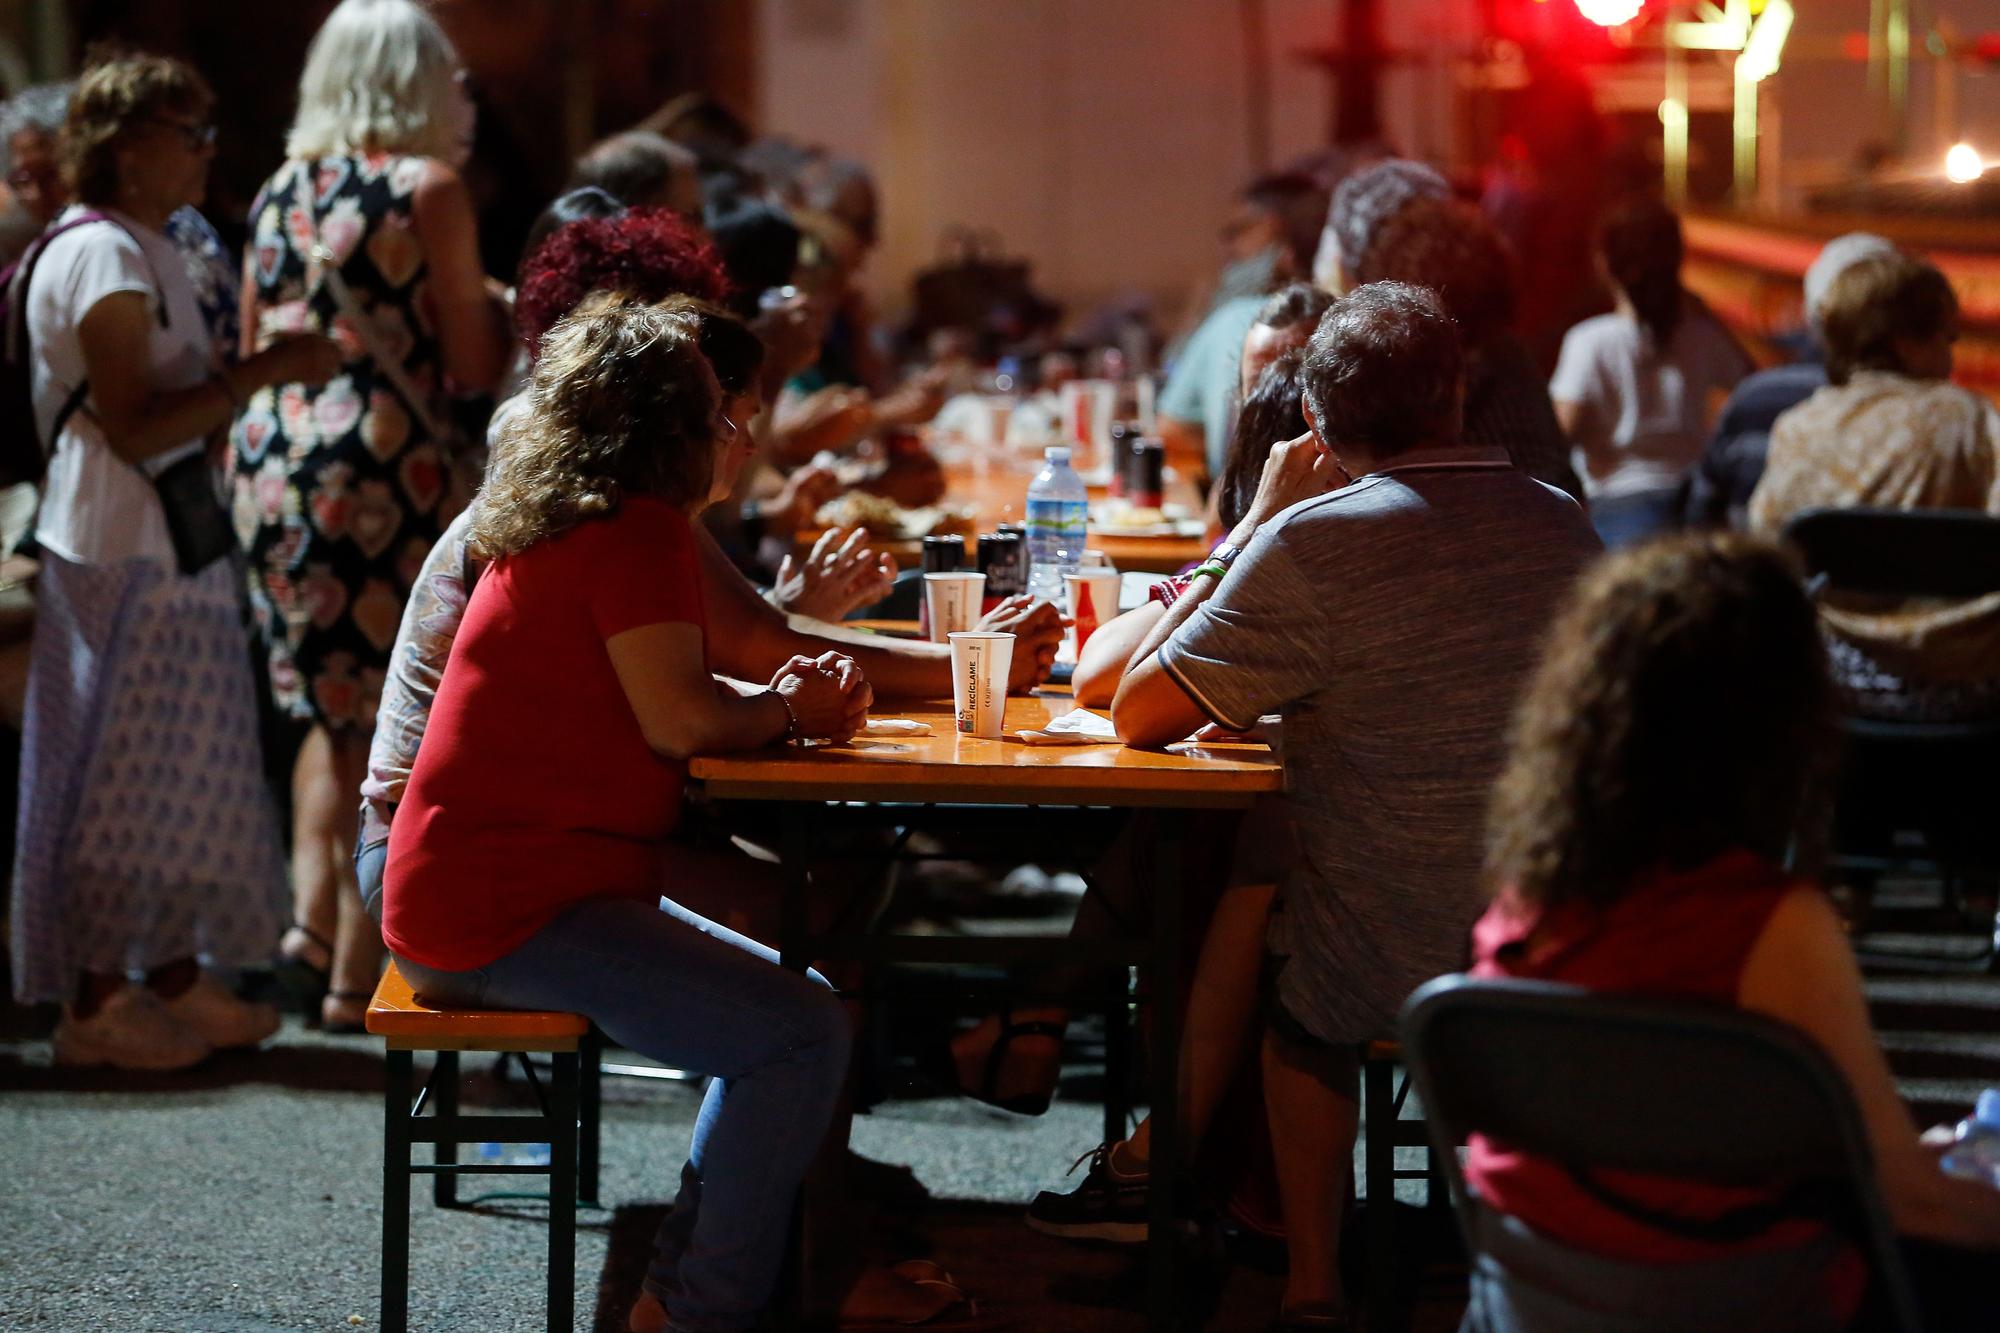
(1224, 556)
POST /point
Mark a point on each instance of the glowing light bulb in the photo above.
(1962, 164)
(1610, 13)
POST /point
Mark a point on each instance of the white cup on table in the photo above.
(953, 598)
(1091, 598)
(980, 663)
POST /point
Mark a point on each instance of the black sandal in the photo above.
(944, 1069)
(303, 985)
(363, 998)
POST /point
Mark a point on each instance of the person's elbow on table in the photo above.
(1102, 662)
(1151, 709)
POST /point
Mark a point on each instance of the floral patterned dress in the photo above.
(340, 491)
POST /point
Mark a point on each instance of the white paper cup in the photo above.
(1091, 598)
(953, 599)
(980, 662)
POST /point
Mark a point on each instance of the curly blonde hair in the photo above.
(622, 402)
(1682, 709)
(114, 96)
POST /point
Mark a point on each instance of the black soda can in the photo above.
(1146, 473)
(1019, 532)
(942, 555)
(1000, 562)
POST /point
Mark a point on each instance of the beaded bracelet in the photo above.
(791, 718)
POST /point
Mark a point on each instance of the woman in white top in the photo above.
(146, 844)
(1635, 390)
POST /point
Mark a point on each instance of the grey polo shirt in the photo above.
(1392, 624)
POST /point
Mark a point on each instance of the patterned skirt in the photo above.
(145, 831)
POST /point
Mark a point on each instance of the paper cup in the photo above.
(952, 598)
(980, 661)
(1091, 598)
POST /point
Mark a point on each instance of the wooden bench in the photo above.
(1386, 1130)
(566, 1121)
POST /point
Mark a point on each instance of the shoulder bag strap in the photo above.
(359, 320)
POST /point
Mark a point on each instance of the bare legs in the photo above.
(326, 801)
(1222, 1000)
(1310, 1097)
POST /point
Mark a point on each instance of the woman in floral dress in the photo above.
(366, 233)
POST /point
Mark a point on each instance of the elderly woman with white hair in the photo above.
(367, 232)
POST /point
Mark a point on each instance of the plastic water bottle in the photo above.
(1975, 1150)
(511, 1154)
(1058, 517)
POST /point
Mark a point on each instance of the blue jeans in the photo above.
(1626, 520)
(691, 994)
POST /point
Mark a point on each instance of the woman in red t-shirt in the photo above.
(527, 856)
(1667, 754)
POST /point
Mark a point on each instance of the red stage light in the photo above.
(1610, 13)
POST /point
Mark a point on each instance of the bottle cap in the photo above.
(1987, 1112)
(1056, 453)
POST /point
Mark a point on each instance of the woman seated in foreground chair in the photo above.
(1669, 752)
(525, 861)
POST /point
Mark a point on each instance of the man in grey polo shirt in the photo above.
(1390, 598)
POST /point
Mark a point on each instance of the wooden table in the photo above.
(897, 778)
(995, 490)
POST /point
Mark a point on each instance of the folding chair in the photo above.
(1592, 1083)
(1911, 791)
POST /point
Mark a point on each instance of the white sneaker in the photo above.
(132, 1031)
(221, 1019)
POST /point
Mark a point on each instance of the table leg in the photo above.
(795, 827)
(395, 1312)
(1118, 1055)
(444, 1092)
(1163, 1303)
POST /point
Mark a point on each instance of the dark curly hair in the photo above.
(622, 402)
(647, 253)
(1269, 415)
(1452, 249)
(1682, 709)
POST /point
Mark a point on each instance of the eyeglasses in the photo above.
(195, 136)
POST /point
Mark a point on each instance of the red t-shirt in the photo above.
(534, 789)
(1676, 936)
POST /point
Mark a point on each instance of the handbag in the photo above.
(197, 524)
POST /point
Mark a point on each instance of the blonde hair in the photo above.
(110, 99)
(622, 402)
(378, 78)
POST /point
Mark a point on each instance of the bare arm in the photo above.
(1105, 659)
(749, 637)
(1150, 707)
(139, 420)
(472, 324)
(1802, 972)
(683, 711)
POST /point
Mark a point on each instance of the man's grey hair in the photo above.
(1385, 370)
(1835, 258)
(42, 107)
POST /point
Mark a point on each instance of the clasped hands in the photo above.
(827, 695)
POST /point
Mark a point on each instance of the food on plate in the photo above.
(886, 519)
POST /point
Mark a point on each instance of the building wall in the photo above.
(1100, 138)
